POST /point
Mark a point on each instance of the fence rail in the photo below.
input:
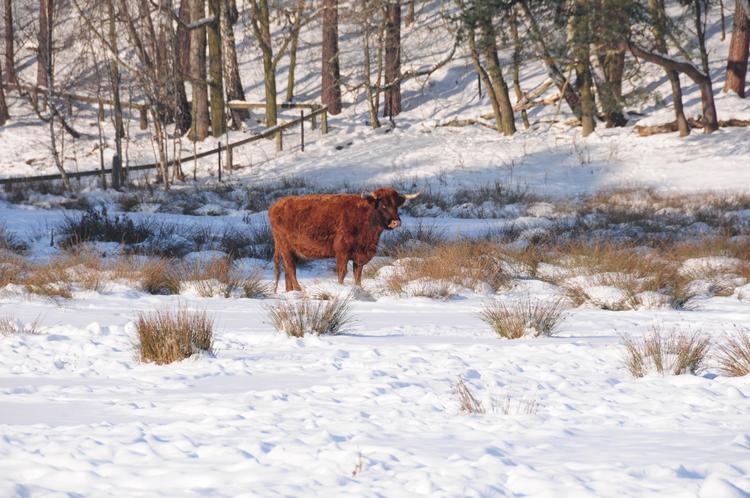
(274, 131)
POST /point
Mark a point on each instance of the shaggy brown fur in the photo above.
(343, 226)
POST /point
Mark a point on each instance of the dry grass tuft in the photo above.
(10, 241)
(220, 277)
(733, 357)
(10, 326)
(672, 353)
(530, 317)
(167, 336)
(50, 281)
(159, 276)
(466, 399)
(466, 263)
(307, 317)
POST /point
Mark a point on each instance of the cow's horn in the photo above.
(409, 197)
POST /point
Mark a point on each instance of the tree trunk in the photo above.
(44, 45)
(409, 18)
(183, 38)
(232, 79)
(474, 51)
(614, 68)
(489, 48)
(657, 12)
(330, 82)
(372, 103)
(561, 82)
(262, 28)
(517, 65)
(177, 57)
(216, 82)
(114, 73)
(392, 100)
(710, 119)
(581, 52)
(701, 36)
(198, 73)
(738, 51)
(10, 64)
(4, 115)
(293, 49)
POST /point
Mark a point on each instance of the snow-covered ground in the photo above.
(374, 411)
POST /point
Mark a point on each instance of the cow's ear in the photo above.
(369, 197)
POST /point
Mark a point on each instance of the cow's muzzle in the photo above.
(394, 224)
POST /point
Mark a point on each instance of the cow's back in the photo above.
(309, 224)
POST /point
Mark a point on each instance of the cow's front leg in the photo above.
(341, 266)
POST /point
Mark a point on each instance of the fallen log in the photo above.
(647, 131)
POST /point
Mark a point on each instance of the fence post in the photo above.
(279, 141)
(314, 119)
(302, 129)
(101, 111)
(479, 85)
(143, 118)
(218, 153)
(324, 122)
(116, 172)
(230, 159)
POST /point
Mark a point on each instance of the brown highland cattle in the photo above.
(342, 226)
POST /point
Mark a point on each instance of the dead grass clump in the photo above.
(160, 276)
(9, 241)
(307, 317)
(672, 353)
(10, 326)
(167, 336)
(12, 268)
(733, 356)
(50, 281)
(404, 240)
(497, 193)
(97, 225)
(530, 317)
(255, 241)
(220, 277)
(465, 263)
(467, 401)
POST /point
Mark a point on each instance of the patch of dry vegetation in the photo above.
(11, 326)
(530, 317)
(220, 277)
(465, 263)
(160, 276)
(298, 318)
(167, 336)
(666, 353)
(733, 356)
(468, 403)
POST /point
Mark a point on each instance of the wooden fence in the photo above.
(274, 131)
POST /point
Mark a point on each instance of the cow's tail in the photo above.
(276, 260)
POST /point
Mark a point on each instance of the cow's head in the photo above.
(385, 203)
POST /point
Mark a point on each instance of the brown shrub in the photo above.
(672, 353)
(465, 263)
(160, 276)
(733, 356)
(307, 317)
(167, 336)
(529, 317)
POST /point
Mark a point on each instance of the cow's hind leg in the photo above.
(290, 270)
(341, 267)
(357, 273)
